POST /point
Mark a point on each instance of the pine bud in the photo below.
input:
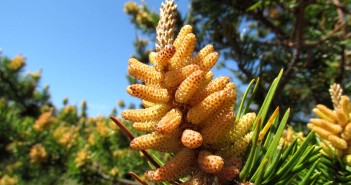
(210, 163)
(191, 139)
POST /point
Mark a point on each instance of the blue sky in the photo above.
(81, 46)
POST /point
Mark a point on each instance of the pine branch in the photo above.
(300, 25)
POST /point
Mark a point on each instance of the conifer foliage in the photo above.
(63, 143)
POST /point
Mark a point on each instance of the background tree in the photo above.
(22, 89)
(310, 39)
(66, 145)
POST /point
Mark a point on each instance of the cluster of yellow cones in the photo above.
(334, 126)
(187, 112)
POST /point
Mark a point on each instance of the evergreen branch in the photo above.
(306, 43)
(300, 25)
(260, 17)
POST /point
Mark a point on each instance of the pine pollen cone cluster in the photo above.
(334, 126)
(188, 113)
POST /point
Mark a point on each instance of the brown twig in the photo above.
(137, 178)
(123, 128)
(340, 14)
(300, 26)
(342, 24)
(347, 36)
(131, 137)
(325, 37)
